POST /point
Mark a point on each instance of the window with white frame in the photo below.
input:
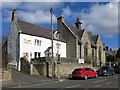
(37, 54)
(37, 42)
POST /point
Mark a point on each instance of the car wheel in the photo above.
(85, 77)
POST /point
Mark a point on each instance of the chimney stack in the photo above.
(60, 19)
(14, 15)
(78, 23)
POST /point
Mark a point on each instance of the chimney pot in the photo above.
(14, 15)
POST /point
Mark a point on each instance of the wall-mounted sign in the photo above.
(27, 41)
(81, 61)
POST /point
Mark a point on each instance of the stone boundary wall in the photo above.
(5, 75)
(65, 69)
(62, 69)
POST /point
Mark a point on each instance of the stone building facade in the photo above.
(81, 44)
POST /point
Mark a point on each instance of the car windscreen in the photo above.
(77, 69)
(104, 68)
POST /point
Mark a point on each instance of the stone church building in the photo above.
(81, 44)
(30, 40)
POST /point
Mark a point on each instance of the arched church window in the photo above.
(86, 49)
(100, 49)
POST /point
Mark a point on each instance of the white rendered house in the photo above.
(26, 39)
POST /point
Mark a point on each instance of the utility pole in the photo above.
(52, 60)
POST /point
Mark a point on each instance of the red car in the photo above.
(84, 73)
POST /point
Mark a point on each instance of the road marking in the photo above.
(99, 81)
(73, 86)
(35, 84)
(109, 83)
(97, 86)
(86, 89)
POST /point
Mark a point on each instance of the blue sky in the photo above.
(97, 17)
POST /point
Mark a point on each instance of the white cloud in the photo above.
(102, 19)
(30, 11)
(67, 12)
(33, 6)
(10, 5)
(37, 17)
(6, 17)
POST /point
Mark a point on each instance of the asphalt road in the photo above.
(100, 82)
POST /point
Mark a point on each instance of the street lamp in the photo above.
(56, 36)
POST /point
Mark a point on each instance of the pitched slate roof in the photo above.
(79, 33)
(93, 38)
(76, 31)
(35, 30)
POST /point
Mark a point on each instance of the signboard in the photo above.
(27, 41)
(81, 61)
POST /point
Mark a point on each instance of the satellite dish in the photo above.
(56, 34)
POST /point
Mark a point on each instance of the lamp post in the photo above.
(56, 33)
(52, 60)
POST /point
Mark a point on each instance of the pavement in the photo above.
(20, 79)
(11, 83)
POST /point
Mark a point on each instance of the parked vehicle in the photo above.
(117, 69)
(106, 71)
(84, 73)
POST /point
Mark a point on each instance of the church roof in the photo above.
(93, 38)
(35, 30)
(77, 32)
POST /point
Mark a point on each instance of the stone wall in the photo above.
(70, 42)
(13, 47)
(5, 75)
(25, 66)
(63, 69)
(65, 33)
(38, 69)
